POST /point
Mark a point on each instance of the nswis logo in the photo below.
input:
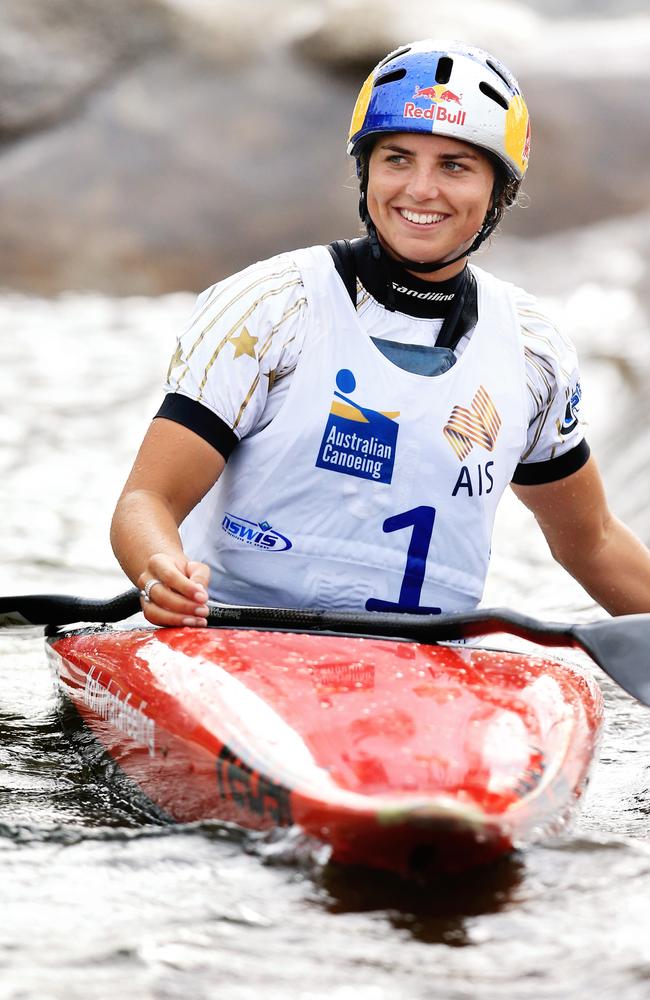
(357, 441)
(571, 418)
(259, 534)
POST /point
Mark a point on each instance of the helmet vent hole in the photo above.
(443, 70)
(493, 94)
(396, 74)
(394, 55)
(499, 72)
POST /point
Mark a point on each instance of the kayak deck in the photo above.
(396, 754)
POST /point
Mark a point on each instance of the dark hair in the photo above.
(504, 192)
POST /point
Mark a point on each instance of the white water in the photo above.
(99, 902)
(95, 904)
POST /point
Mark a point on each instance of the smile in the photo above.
(420, 219)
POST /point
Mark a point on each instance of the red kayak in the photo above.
(398, 755)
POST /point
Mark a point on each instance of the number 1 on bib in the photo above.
(421, 519)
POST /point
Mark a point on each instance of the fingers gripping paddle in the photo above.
(620, 646)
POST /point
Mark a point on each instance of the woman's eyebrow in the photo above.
(396, 149)
(461, 154)
(464, 155)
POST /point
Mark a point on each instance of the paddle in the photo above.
(62, 609)
(620, 646)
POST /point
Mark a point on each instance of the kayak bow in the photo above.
(395, 754)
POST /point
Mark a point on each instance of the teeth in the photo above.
(421, 220)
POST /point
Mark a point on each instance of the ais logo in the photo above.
(479, 425)
(259, 534)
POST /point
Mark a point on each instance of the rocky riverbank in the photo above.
(156, 146)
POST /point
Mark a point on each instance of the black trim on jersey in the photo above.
(454, 301)
(408, 293)
(198, 418)
(538, 473)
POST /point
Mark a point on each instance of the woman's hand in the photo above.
(174, 591)
(174, 469)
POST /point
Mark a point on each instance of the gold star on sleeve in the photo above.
(244, 344)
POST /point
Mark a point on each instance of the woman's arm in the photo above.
(603, 555)
(173, 470)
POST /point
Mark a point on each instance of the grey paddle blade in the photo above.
(621, 646)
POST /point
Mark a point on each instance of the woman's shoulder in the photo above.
(552, 365)
(258, 294)
(541, 332)
(250, 324)
(279, 271)
(274, 270)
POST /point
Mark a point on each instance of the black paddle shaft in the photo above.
(620, 646)
(420, 628)
(61, 609)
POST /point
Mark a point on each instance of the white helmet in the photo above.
(446, 88)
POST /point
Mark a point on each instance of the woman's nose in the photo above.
(422, 186)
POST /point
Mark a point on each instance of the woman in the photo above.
(340, 423)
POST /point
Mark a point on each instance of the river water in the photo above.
(98, 900)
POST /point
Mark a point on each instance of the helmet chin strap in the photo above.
(419, 267)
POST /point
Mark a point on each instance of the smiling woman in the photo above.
(368, 403)
(428, 196)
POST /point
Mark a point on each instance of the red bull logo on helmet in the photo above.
(439, 96)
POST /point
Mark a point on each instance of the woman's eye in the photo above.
(395, 158)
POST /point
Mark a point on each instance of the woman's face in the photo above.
(428, 196)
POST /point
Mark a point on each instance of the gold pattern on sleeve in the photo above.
(534, 338)
(177, 359)
(236, 326)
(295, 308)
(545, 365)
(543, 402)
(244, 344)
(275, 373)
(224, 288)
(249, 396)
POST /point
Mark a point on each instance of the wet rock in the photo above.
(166, 144)
(178, 173)
(355, 34)
(352, 35)
(54, 52)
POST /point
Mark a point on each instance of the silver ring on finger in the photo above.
(145, 593)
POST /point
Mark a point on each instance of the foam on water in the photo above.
(99, 899)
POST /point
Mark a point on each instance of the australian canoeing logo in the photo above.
(357, 441)
(260, 534)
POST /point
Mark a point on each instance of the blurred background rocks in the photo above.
(154, 146)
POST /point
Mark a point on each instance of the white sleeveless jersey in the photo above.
(372, 487)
